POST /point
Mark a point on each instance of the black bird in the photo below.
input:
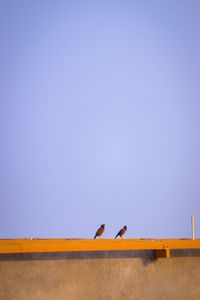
(100, 231)
(121, 232)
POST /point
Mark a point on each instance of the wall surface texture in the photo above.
(102, 275)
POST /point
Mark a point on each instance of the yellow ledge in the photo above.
(64, 245)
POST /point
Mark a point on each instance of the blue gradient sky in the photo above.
(100, 118)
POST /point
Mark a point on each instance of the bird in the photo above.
(121, 232)
(100, 231)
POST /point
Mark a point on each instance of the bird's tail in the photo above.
(95, 236)
(116, 236)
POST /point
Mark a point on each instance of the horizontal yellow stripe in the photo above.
(62, 245)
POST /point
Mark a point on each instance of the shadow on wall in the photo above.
(147, 256)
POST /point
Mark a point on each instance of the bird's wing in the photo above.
(99, 231)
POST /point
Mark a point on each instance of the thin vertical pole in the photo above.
(192, 223)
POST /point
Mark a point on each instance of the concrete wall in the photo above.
(100, 276)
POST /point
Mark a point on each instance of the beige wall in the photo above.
(99, 276)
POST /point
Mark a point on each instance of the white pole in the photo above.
(192, 223)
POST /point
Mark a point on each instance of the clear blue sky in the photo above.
(99, 118)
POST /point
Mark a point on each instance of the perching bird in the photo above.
(100, 231)
(121, 232)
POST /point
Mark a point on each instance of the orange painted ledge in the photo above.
(65, 245)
